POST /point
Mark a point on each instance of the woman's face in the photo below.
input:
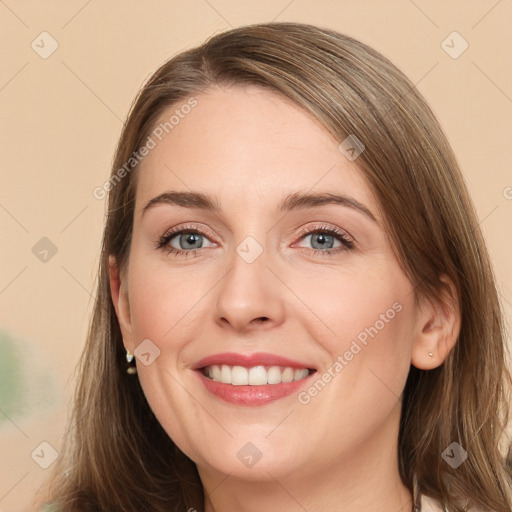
(259, 255)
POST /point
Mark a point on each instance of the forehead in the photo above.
(248, 146)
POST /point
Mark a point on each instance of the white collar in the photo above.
(424, 503)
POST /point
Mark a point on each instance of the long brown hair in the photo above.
(116, 456)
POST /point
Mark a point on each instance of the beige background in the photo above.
(61, 118)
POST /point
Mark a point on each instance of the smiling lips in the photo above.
(251, 380)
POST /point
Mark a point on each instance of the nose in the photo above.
(249, 297)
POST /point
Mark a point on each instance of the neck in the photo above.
(367, 479)
(314, 496)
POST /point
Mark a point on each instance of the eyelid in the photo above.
(322, 227)
(189, 228)
(303, 231)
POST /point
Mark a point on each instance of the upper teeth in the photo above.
(254, 376)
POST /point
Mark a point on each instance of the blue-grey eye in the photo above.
(321, 241)
(187, 241)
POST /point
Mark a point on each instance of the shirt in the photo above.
(430, 505)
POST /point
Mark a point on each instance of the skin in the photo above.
(251, 148)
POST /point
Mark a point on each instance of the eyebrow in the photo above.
(294, 201)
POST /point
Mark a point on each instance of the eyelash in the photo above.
(347, 243)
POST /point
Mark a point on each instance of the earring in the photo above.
(131, 370)
(430, 354)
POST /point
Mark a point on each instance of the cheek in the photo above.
(369, 303)
(167, 309)
(364, 320)
(165, 305)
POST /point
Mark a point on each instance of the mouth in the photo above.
(255, 375)
(252, 380)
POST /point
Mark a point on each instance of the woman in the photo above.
(291, 255)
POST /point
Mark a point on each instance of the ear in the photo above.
(119, 292)
(437, 328)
